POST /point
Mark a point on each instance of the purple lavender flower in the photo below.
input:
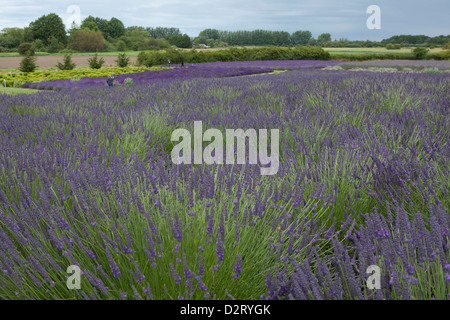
(237, 266)
(175, 275)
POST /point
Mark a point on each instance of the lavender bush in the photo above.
(414, 259)
(86, 179)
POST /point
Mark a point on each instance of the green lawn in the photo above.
(10, 90)
(16, 54)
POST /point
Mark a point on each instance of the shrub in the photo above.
(430, 70)
(109, 47)
(28, 63)
(68, 63)
(444, 55)
(420, 53)
(18, 84)
(128, 81)
(122, 60)
(26, 47)
(88, 41)
(75, 78)
(391, 46)
(38, 45)
(41, 87)
(121, 45)
(54, 45)
(95, 63)
(57, 88)
(33, 86)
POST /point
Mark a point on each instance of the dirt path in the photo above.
(51, 61)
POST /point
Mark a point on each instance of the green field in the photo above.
(16, 54)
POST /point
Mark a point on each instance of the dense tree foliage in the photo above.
(163, 33)
(181, 41)
(301, 37)
(210, 34)
(138, 39)
(246, 38)
(420, 53)
(113, 28)
(26, 47)
(48, 26)
(417, 40)
(54, 45)
(87, 41)
(324, 38)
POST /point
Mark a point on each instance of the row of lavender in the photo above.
(189, 72)
(279, 64)
(198, 70)
(86, 179)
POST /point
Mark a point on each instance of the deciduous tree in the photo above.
(48, 26)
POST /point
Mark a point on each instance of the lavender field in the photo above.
(86, 179)
(189, 72)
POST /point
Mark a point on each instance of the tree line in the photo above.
(48, 34)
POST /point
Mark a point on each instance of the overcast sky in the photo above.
(343, 18)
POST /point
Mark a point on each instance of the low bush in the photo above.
(28, 63)
(122, 60)
(391, 46)
(420, 53)
(128, 81)
(68, 63)
(443, 55)
(26, 47)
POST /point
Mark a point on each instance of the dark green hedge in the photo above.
(152, 58)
